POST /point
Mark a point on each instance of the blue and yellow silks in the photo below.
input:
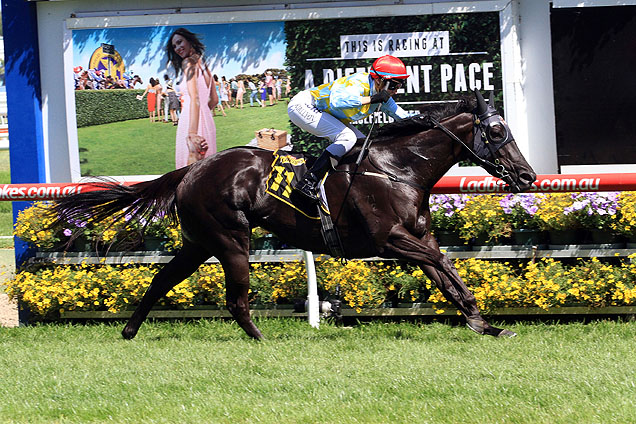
(342, 99)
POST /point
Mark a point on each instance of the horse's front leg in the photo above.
(441, 270)
(455, 290)
(185, 262)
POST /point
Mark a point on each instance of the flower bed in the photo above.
(51, 290)
(38, 226)
(492, 218)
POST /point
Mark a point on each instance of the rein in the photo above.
(499, 169)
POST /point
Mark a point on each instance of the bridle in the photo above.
(484, 151)
(485, 142)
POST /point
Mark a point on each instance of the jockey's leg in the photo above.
(304, 114)
(308, 185)
(344, 141)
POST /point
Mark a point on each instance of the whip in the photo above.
(365, 148)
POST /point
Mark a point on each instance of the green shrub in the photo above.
(94, 107)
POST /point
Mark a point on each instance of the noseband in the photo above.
(484, 147)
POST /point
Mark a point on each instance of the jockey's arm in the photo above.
(345, 96)
(393, 110)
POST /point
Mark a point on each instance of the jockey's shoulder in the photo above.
(359, 76)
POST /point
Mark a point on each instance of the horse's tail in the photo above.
(110, 199)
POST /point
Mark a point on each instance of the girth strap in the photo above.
(330, 235)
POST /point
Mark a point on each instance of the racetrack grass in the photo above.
(209, 372)
(138, 147)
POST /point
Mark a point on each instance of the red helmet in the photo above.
(388, 67)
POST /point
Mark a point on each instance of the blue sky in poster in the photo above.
(231, 49)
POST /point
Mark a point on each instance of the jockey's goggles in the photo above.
(394, 84)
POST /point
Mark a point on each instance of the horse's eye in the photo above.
(496, 132)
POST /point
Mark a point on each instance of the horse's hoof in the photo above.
(128, 333)
(475, 328)
(507, 333)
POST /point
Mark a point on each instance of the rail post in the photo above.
(313, 313)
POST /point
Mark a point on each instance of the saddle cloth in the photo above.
(287, 169)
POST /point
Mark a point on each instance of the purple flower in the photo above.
(448, 204)
(67, 232)
(528, 203)
(79, 224)
(507, 203)
(593, 210)
(532, 209)
(599, 204)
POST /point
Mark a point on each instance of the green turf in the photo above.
(208, 371)
(138, 147)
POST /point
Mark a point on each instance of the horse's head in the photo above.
(496, 149)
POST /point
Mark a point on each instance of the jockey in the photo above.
(328, 110)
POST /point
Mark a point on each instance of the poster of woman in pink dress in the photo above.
(196, 132)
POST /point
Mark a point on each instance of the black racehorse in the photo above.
(385, 213)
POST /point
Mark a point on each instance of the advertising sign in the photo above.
(122, 132)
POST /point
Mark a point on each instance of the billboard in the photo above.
(594, 86)
(446, 56)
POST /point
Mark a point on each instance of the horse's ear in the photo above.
(482, 107)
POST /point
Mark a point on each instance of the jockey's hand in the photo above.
(381, 97)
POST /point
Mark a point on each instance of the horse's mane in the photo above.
(422, 122)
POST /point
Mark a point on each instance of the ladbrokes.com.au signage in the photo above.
(449, 184)
(553, 183)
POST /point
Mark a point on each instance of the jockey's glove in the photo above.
(380, 97)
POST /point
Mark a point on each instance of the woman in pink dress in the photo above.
(196, 133)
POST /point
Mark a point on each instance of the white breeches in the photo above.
(304, 114)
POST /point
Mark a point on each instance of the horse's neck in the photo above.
(451, 151)
(428, 155)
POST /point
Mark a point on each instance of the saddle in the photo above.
(287, 169)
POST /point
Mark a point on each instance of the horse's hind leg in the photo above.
(185, 262)
(237, 273)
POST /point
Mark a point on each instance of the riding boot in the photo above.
(308, 186)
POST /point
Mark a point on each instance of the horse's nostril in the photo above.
(527, 177)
